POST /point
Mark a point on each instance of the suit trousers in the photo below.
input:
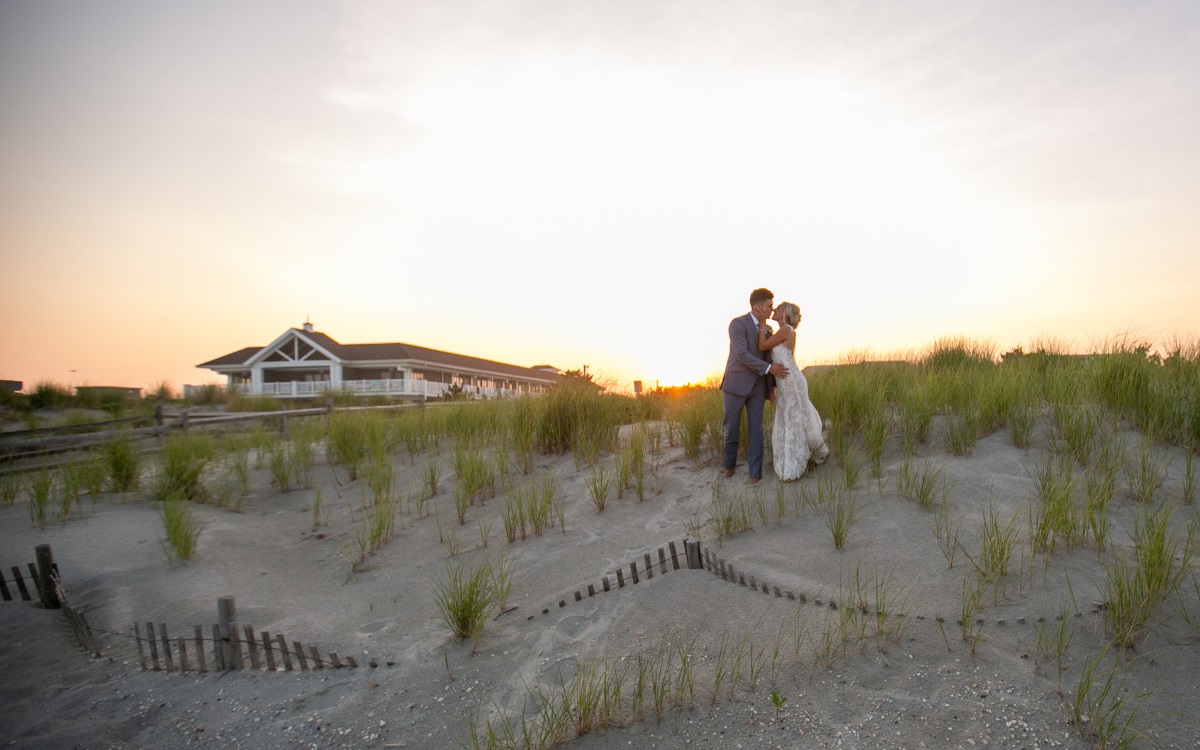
(753, 405)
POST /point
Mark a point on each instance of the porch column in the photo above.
(256, 381)
(335, 376)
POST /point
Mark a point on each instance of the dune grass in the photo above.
(11, 487)
(182, 529)
(466, 596)
(124, 464)
(182, 466)
(926, 484)
(1135, 588)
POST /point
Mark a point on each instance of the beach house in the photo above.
(304, 363)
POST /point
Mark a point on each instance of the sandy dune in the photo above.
(918, 690)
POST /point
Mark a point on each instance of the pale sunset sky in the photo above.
(597, 183)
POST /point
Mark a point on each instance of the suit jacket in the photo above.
(746, 364)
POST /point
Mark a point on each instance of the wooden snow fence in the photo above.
(230, 647)
(667, 561)
(45, 580)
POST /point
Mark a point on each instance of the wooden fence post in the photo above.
(691, 549)
(45, 568)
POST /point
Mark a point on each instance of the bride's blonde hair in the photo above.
(791, 313)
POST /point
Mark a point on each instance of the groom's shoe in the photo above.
(727, 473)
(753, 480)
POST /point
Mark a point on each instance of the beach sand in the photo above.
(418, 687)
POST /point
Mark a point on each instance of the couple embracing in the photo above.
(761, 362)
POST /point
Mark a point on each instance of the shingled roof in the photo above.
(359, 353)
(237, 358)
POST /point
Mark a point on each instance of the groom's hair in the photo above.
(760, 295)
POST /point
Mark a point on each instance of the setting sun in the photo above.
(552, 188)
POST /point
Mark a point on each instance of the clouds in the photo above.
(565, 166)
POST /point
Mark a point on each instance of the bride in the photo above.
(796, 437)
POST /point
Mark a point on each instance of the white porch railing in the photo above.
(413, 388)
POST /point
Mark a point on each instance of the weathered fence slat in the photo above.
(633, 572)
(333, 658)
(183, 660)
(4, 588)
(235, 643)
(166, 647)
(283, 652)
(300, 655)
(649, 571)
(316, 658)
(87, 630)
(226, 617)
(20, 581)
(674, 556)
(83, 630)
(137, 637)
(620, 578)
(218, 650)
(153, 645)
(166, 644)
(662, 561)
(268, 651)
(199, 633)
(37, 584)
(350, 660)
(252, 648)
(76, 629)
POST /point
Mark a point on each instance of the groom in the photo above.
(745, 383)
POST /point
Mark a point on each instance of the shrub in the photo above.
(50, 395)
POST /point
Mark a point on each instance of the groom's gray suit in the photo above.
(745, 387)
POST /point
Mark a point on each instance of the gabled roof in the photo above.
(391, 352)
(236, 358)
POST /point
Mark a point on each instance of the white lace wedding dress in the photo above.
(797, 436)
